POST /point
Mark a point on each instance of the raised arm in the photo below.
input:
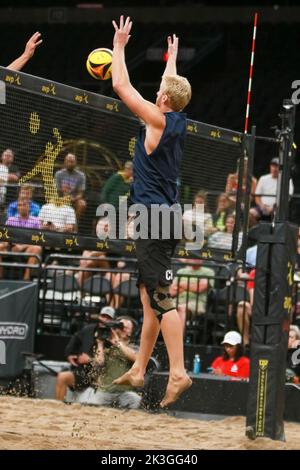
(30, 48)
(171, 68)
(145, 110)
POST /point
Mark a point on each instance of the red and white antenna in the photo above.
(250, 74)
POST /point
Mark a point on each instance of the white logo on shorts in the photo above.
(169, 275)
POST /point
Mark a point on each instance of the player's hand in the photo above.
(172, 47)
(115, 338)
(73, 360)
(122, 35)
(32, 44)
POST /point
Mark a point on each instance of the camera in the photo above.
(103, 329)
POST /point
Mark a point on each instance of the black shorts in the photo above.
(154, 262)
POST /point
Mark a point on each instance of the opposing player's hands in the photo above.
(122, 35)
(32, 44)
(173, 46)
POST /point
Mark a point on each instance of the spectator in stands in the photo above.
(7, 159)
(98, 356)
(25, 192)
(118, 185)
(30, 48)
(293, 354)
(232, 183)
(266, 190)
(191, 216)
(72, 182)
(58, 217)
(223, 240)
(91, 260)
(3, 183)
(224, 208)
(232, 362)
(191, 286)
(9, 173)
(23, 220)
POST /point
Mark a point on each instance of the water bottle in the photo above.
(197, 364)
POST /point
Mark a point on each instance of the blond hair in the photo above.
(178, 90)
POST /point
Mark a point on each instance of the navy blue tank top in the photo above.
(155, 176)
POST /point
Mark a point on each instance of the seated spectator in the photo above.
(223, 240)
(23, 220)
(224, 208)
(3, 183)
(232, 363)
(266, 190)
(191, 216)
(251, 255)
(293, 354)
(71, 182)
(58, 218)
(233, 180)
(7, 159)
(192, 291)
(117, 185)
(26, 192)
(98, 356)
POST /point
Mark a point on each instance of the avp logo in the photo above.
(169, 275)
(2, 353)
(296, 357)
(12, 330)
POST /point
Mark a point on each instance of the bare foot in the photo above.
(130, 378)
(176, 386)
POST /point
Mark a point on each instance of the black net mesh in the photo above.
(42, 121)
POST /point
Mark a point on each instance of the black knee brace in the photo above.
(161, 301)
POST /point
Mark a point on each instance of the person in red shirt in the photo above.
(232, 362)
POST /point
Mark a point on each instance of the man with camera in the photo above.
(98, 354)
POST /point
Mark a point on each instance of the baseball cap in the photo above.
(110, 311)
(233, 338)
(275, 161)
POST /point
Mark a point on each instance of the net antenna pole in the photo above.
(243, 165)
(250, 74)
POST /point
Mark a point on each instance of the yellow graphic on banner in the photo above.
(192, 127)
(290, 273)
(49, 89)
(216, 134)
(131, 146)
(102, 245)
(129, 248)
(13, 79)
(82, 98)
(34, 123)
(113, 107)
(70, 242)
(4, 234)
(38, 238)
(288, 304)
(261, 396)
(45, 168)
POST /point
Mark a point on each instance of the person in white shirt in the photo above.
(58, 218)
(3, 182)
(266, 189)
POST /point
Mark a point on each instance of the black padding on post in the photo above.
(270, 326)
